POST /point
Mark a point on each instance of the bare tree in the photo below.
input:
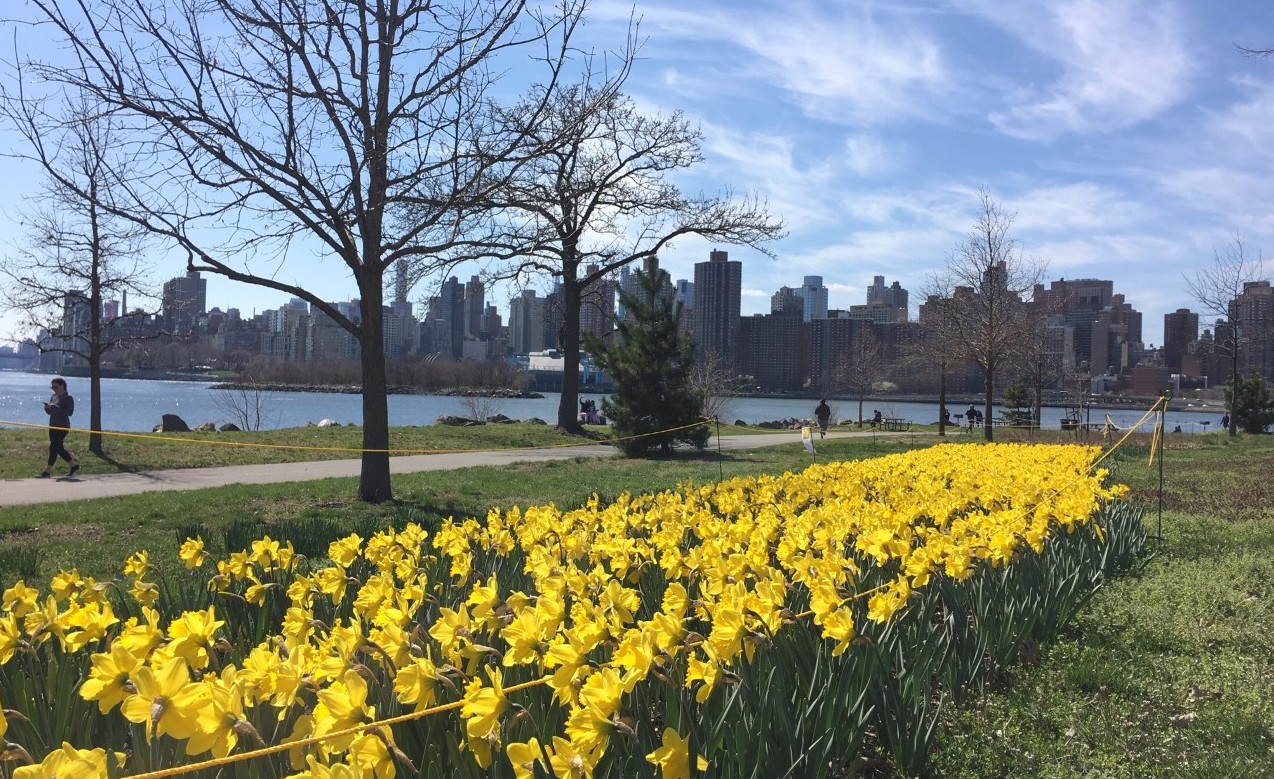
(989, 277)
(1217, 288)
(864, 366)
(76, 254)
(358, 131)
(247, 404)
(713, 378)
(1040, 360)
(599, 199)
(934, 348)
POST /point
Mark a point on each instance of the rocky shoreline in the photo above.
(392, 389)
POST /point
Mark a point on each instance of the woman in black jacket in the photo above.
(59, 408)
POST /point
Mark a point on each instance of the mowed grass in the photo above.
(23, 452)
(1166, 673)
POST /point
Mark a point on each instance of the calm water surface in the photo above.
(135, 405)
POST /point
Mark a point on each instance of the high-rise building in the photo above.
(789, 302)
(526, 323)
(813, 299)
(475, 303)
(1180, 329)
(885, 304)
(553, 303)
(770, 351)
(893, 296)
(73, 338)
(1078, 302)
(448, 307)
(684, 300)
(597, 306)
(718, 294)
(185, 299)
(1253, 310)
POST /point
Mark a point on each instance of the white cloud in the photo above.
(1077, 207)
(845, 62)
(869, 156)
(1120, 62)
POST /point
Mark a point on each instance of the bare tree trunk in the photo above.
(942, 397)
(567, 407)
(373, 481)
(988, 429)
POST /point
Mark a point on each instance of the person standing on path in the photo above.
(59, 408)
(823, 413)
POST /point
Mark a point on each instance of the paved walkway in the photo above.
(20, 492)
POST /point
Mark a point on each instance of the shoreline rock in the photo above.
(393, 389)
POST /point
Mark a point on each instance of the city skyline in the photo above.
(1125, 135)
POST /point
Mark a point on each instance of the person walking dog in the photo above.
(59, 408)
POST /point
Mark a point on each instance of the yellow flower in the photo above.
(192, 553)
(570, 762)
(193, 634)
(673, 758)
(20, 600)
(145, 593)
(10, 637)
(69, 763)
(137, 564)
(265, 552)
(108, 679)
(707, 671)
(152, 704)
(342, 705)
(481, 711)
(64, 584)
(417, 683)
(217, 716)
(524, 756)
(345, 551)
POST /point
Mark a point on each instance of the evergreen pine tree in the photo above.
(650, 363)
(1249, 397)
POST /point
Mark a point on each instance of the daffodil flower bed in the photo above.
(805, 624)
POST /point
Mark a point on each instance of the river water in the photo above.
(131, 405)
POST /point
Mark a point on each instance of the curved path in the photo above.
(20, 492)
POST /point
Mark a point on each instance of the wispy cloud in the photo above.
(1118, 63)
(846, 62)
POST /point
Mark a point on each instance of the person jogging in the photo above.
(59, 408)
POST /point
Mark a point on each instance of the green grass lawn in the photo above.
(23, 451)
(1167, 673)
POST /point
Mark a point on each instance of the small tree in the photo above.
(1017, 397)
(712, 378)
(990, 278)
(1248, 399)
(1216, 288)
(864, 367)
(77, 254)
(247, 404)
(650, 365)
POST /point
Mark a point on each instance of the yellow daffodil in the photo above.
(673, 758)
(191, 553)
(108, 681)
(69, 763)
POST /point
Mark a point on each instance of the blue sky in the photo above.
(1130, 137)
